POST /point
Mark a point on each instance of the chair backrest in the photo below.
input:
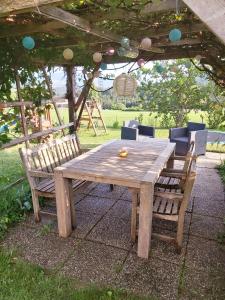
(46, 157)
(192, 126)
(128, 133)
(190, 157)
(131, 124)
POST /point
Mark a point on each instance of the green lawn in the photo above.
(23, 281)
(111, 116)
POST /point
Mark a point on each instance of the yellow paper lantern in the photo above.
(68, 54)
(125, 85)
(146, 43)
(97, 57)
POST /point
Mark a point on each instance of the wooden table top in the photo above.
(143, 164)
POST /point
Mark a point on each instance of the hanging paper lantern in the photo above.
(68, 54)
(174, 69)
(175, 35)
(141, 62)
(125, 42)
(28, 42)
(121, 51)
(132, 53)
(110, 51)
(103, 66)
(97, 57)
(146, 43)
(159, 68)
(125, 85)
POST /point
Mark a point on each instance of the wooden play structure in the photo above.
(93, 116)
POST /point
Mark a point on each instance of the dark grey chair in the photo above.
(183, 136)
(134, 129)
(128, 133)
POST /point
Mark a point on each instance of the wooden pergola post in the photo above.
(22, 107)
(70, 94)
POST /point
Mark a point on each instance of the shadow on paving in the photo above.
(100, 249)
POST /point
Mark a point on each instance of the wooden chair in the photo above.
(172, 178)
(39, 163)
(170, 206)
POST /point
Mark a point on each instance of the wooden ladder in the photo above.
(92, 113)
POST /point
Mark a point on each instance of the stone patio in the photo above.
(100, 250)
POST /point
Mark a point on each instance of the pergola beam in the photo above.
(19, 6)
(85, 25)
(160, 6)
(20, 30)
(212, 13)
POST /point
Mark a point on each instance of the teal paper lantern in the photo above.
(103, 67)
(159, 68)
(121, 51)
(125, 42)
(175, 35)
(28, 42)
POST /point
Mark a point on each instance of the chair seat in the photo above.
(48, 186)
(182, 139)
(165, 207)
(168, 184)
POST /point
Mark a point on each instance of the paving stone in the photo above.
(122, 209)
(39, 247)
(207, 163)
(152, 277)
(206, 227)
(213, 156)
(96, 205)
(165, 250)
(103, 190)
(204, 255)
(126, 195)
(94, 262)
(209, 206)
(202, 285)
(85, 222)
(112, 231)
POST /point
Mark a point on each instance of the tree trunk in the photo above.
(70, 94)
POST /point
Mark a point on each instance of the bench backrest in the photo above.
(46, 157)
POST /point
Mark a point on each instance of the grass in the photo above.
(24, 281)
(111, 116)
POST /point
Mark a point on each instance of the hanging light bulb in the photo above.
(175, 35)
(110, 51)
(97, 57)
(141, 62)
(146, 43)
(125, 42)
(68, 54)
(28, 42)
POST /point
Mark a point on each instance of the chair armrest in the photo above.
(146, 130)
(40, 174)
(177, 132)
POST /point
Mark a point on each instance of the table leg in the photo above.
(63, 204)
(170, 163)
(145, 220)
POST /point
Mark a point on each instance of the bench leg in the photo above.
(36, 206)
(180, 232)
(111, 187)
(134, 214)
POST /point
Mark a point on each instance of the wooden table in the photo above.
(139, 170)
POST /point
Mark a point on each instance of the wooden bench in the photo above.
(39, 163)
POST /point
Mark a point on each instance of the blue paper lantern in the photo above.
(125, 42)
(159, 68)
(28, 42)
(121, 51)
(175, 35)
(103, 67)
